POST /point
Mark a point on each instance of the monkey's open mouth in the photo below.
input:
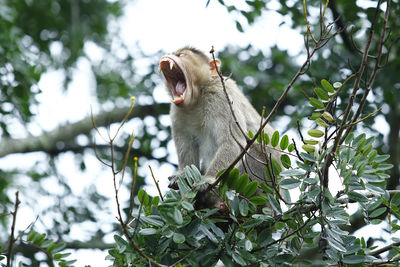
(175, 78)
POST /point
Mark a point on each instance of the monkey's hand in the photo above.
(173, 181)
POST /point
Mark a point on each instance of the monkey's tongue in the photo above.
(178, 94)
(180, 88)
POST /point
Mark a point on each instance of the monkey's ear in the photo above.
(213, 68)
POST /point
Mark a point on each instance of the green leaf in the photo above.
(236, 257)
(321, 122)
(384, 167)
(178, 238)
(316, 103)
(241, 183)
(60, 256)
(266, 188)
(315, 115)
(285, 160)
(187, 206)
(396, 199)
(335, 244)
(378, 212)
(252, 223)
(178, 216)
(349, 138)
(354, 259)
(284, 142)
(155, 200)
(196, 172)
(239, 26)
(248, 245)
(372, 155)
(337, 85)
(189, 176)
(240, 235)
(31, 235)
(250, 189)
(276, 167)
(289, 183)
(250, 134)
(60, 246)
(38, 239)
(275, 139)
(357, 197)
(360, 169)
(328, 116)
(148, 231)
(266, 139)
(120, 241)
(232, 177)
(208, 233)
(308, 148)
(374, 188)
(311, 141)
(274, 204)
(243, 207)
(235, 206)
(152, 220)
(307, 157)
(143, 197)
(367, 149)
(321, 94)
(361, 144)
(182, 184)
(381, 158)
(279, 225)
(258, 200)
(315, 133)
(327, 86)
(291, 147)
(293, 172)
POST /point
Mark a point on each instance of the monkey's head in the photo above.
(185, 72)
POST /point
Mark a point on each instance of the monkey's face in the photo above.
(185, 71)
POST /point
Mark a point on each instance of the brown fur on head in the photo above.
(185, 72)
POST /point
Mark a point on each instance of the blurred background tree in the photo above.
(59, 36)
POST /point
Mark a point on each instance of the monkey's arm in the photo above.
(187, 150)
(226, 153)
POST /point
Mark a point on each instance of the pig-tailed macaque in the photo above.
(203, 128)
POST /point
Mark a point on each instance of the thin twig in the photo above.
(156, 183)
(12, 240)
(384, 249)
(226, 95)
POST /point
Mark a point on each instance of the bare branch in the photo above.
(47, 142)
(227, 96)
(12, 240)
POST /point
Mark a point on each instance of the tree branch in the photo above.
(340, 24)
(65, 133)
(12, 240)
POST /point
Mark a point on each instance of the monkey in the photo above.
(203, 127)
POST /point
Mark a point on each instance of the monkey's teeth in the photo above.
(177, 101)
(159, 68)
(171, 64)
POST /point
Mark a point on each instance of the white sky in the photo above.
(153, 25)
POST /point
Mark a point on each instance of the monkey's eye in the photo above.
(182, 54)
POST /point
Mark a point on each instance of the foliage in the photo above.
(249, 232)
